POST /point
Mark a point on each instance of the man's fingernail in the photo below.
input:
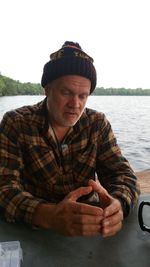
(106, 213)
(105, 223)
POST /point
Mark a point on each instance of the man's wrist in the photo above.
(125, 207)
(43, 215)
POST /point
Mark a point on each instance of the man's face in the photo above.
(66, 99)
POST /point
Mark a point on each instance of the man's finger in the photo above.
(87, 219)
(86, 209)
(74, 195)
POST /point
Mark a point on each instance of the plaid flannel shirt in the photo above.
(35, 169)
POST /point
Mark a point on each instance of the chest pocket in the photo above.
(40, 159)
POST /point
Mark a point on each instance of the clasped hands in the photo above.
(73, 218)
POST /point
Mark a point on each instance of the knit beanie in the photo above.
(69, 60)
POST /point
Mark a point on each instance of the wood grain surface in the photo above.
(144, 181)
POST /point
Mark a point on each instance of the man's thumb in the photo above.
(79, 192)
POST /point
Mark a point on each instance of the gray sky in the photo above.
(116, 33)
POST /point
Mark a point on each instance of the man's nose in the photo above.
(75, 101)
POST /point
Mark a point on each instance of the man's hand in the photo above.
(77, 219)
(73, 218)
(113, 213)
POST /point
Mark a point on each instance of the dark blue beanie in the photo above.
(69, 60)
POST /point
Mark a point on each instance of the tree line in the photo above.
(121, 91)
(10, 87)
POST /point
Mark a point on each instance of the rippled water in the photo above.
(129, 117)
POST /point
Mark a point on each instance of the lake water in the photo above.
(129, 117)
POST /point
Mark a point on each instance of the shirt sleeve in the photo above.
(15, 203)
(114, 170)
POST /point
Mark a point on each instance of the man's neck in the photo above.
(60, 132)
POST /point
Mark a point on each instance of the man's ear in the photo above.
(46, 90)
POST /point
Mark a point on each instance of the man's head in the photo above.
(69, 60)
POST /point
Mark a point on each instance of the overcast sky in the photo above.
(116, 33)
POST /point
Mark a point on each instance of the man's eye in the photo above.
(65, 92)
(83, 97)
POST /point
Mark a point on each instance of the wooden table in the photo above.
(44, 248)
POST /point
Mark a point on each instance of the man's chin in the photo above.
(70, 123)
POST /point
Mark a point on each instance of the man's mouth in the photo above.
(72, 113)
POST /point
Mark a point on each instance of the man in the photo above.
(58, 158)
